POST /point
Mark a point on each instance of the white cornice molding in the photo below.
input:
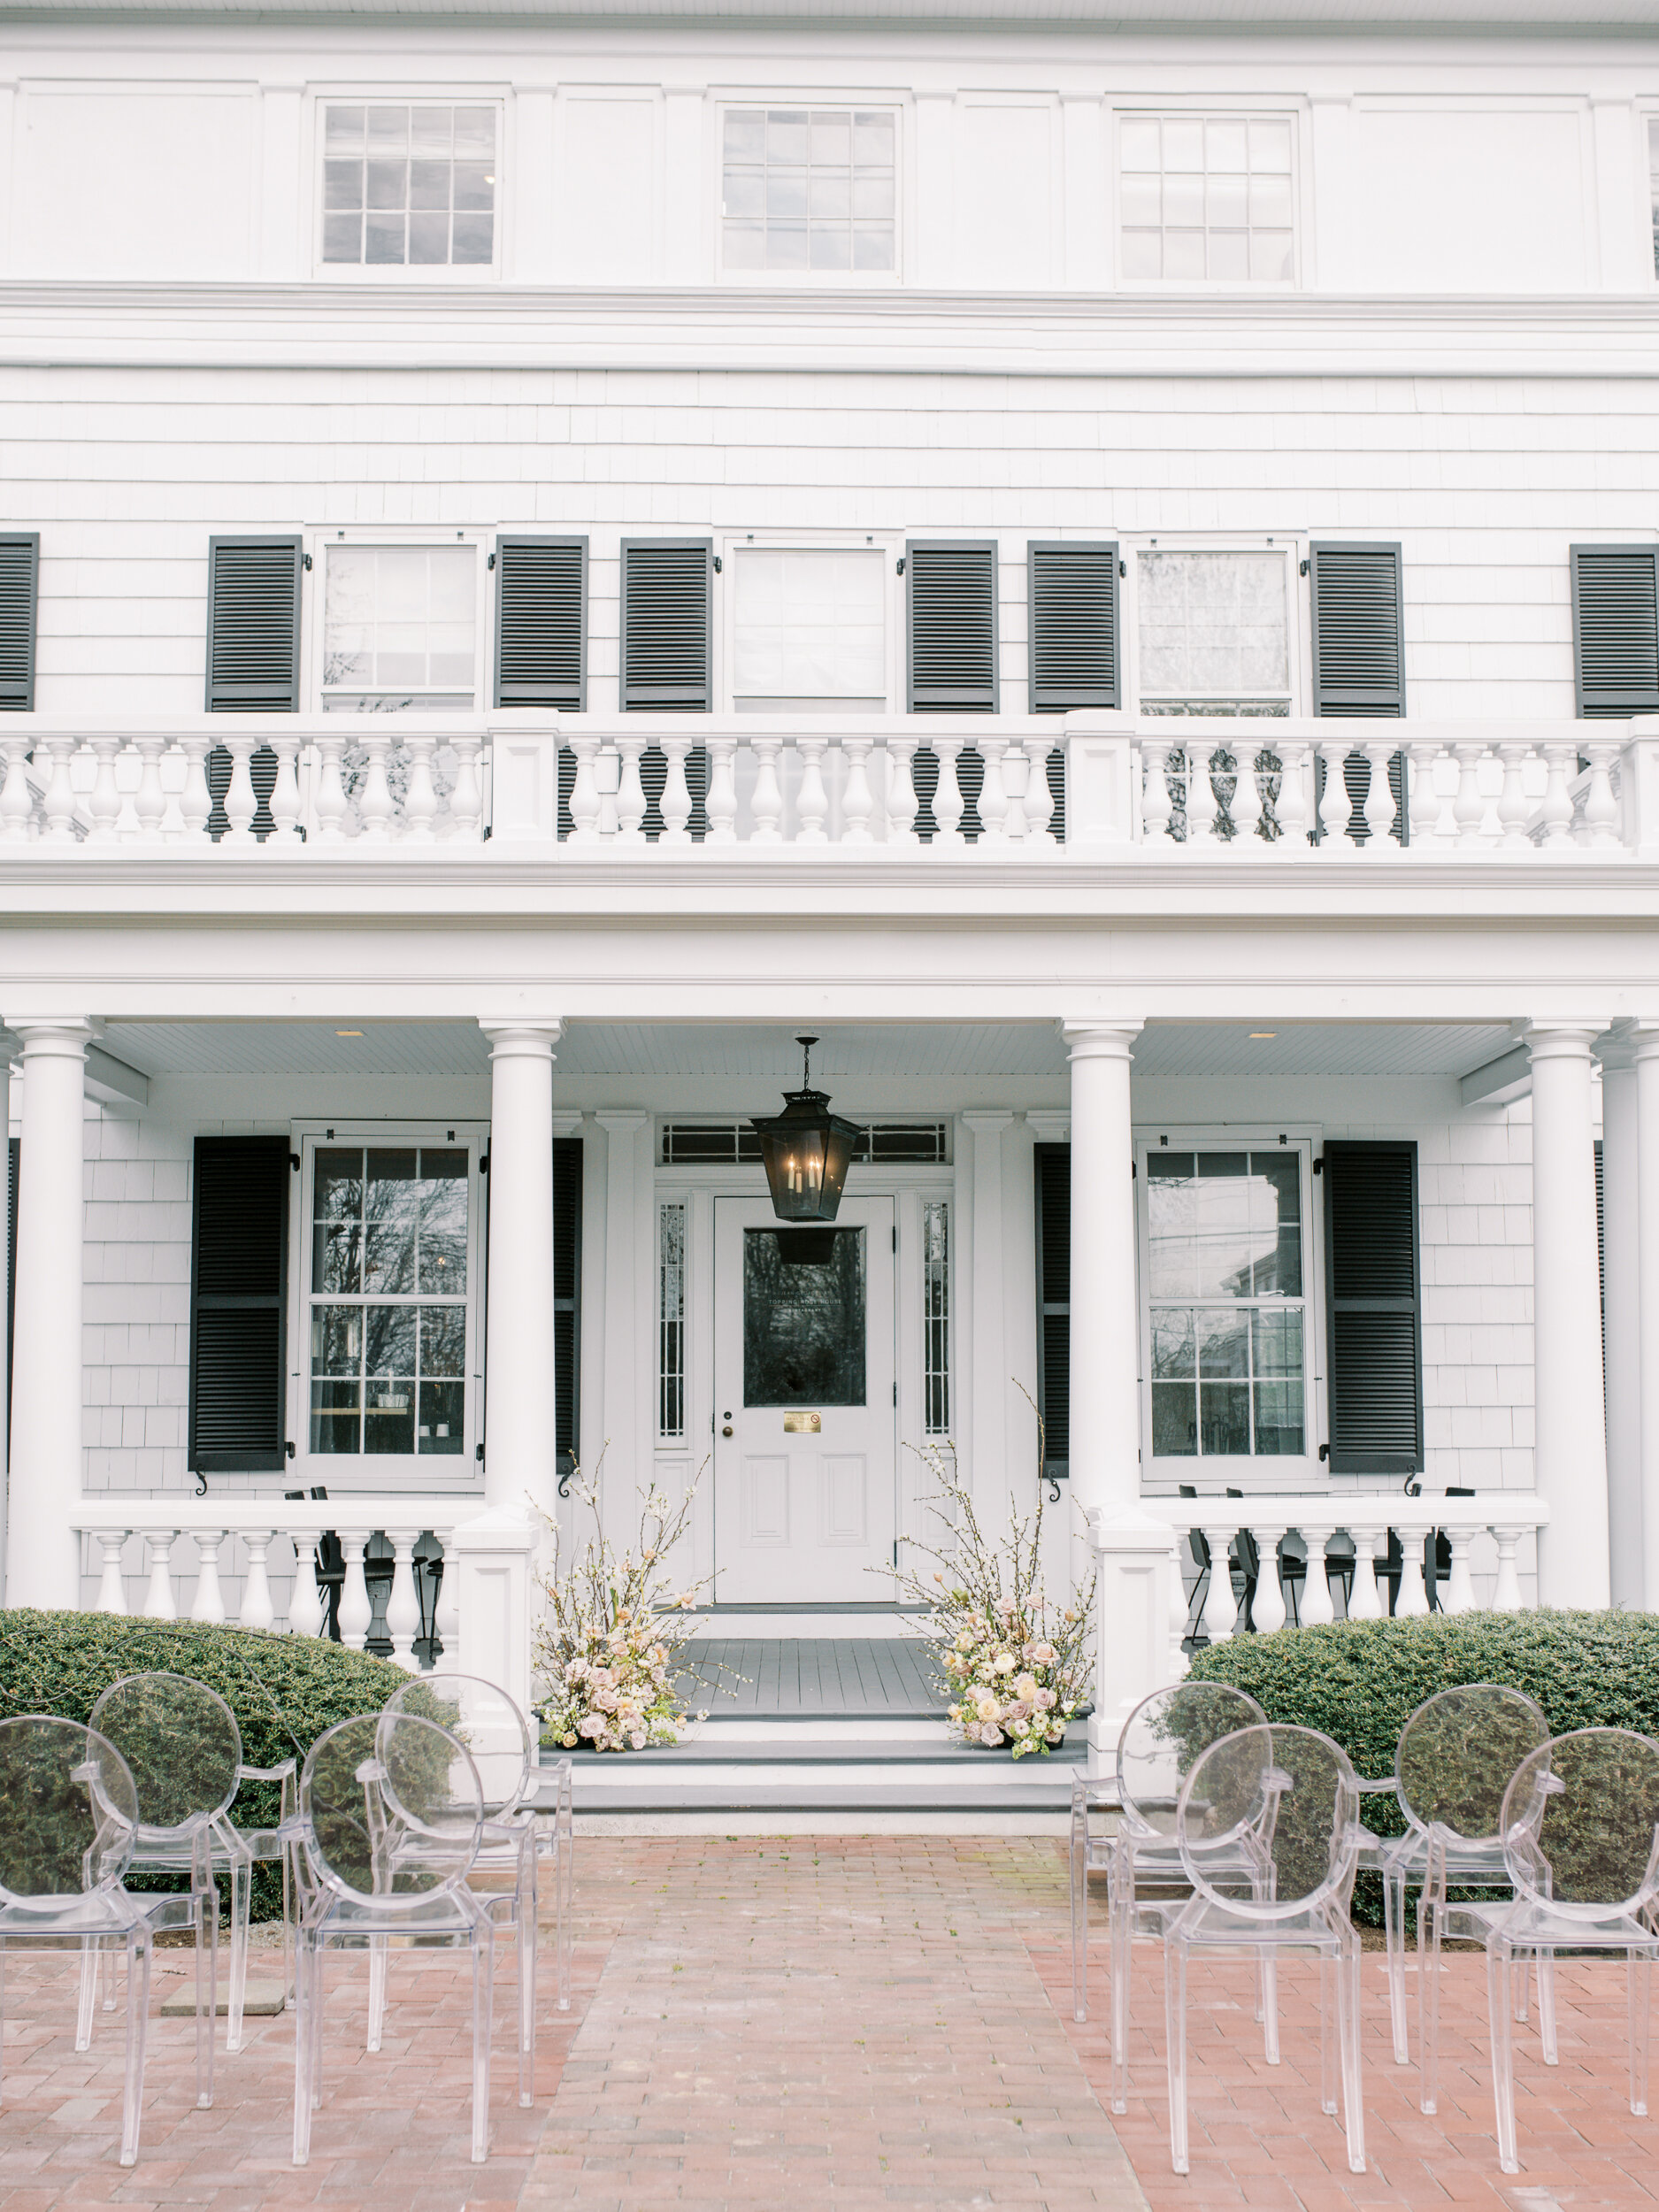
(1435, 17)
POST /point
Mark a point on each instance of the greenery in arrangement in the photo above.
(609, 1646)
(284, 1690)
(1015, 1664)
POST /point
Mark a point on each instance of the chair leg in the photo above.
(319, 1961)
(1347, 2009)
(302, 2056)
(1428, 2002)
(1079, 1916)
(1175, 2033)
(1547, 2006)
(1395, 1927)
(206, 1990)
(91, 1976)
(1267, 1979)
(241, 1913)
(107, 1964)
(483, 2007)
(1498, 1964)
(138, 2023)
(377, 1991)
(1120, 1907)
(1329, 1971)
(527, 1985)
(1639, 1993)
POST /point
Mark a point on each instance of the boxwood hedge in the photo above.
(1360, 1681)
(284, 1690)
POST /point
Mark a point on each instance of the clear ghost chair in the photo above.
(1268, 1829)
(1156, 1748)
(68, 1821)
(391, 1819)
(1452, 1765)
(1580, 1825)
(182, 1743)
(506, 1754)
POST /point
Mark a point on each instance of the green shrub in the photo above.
(1360, 1681)
(284, 1690)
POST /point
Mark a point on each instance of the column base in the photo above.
(1140, 1611)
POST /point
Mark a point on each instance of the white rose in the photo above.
(638, 1739)
(1026, 1687)
(1003, 1663)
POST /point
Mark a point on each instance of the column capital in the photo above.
(516, 1038)
(1627, 1044)
(56, 1035)
(988, 1120)
(1049, 1125)
(618, 1120)
(1563, 1040)
(1100, 1041)
(567, 1121)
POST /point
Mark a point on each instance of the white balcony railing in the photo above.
(1028, 787)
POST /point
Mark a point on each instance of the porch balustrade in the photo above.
(1031, 787)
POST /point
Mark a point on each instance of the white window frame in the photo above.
(793, 280)
(345, 1473)
(325, 96)
(1646, 114)
(317, 541)
(1255, 1476)
(730, 545)
(1293, 548)
(1232, 107)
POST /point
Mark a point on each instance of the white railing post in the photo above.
(1380, 800)
(331, 804)
(446, 1618)
(1221, 1608)
(1506, 1596)
(721, 803)
(1157, 804)
(150, 801)
(947, 803)
(766, 803)
(675, 803)
(858, 800)
(16, 799)
(631, 800)
(1269, 1610)
(111, 1589)
(403, 1604)
(158, 1599)
(1422, 812)
(994, 804)
(1555, 815)
(257, 1610)
(1335, 806)
(58, 803)
(1458, 1596)
(1600, 808)
(1514, 807)
(1245, 811)
(1202, 810)
(1290, 810)
(812, 801)
(1038, 804)
(1365, 1600)
(1318, 1605)
(195, 800)
(420, 796)
(285, 802)
(1413, 1601)
(241, 803)
(104, 804)
(375, 810)
(356, 1613)
(209, 1598)
(306, 1609)
(584, 805)
(900, 806)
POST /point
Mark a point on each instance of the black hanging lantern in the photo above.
(807, 1150)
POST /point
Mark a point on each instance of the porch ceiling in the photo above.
(769, 1054)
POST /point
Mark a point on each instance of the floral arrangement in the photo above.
(1014, 1665)
(609, 1645)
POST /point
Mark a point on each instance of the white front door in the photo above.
(805, 1465)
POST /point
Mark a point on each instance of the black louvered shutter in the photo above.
(20, 590)
(1616, 630)
(1073, 596)
(542, 623)
(253, 626)
(1054, 1303)
(567, 1300)
(667, 591)
(1358, 654)
(238, 1305)
(1374, 1368)
(951, 616)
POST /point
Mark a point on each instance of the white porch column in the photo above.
(42, 1552)
(987, 1470)
(1645, 1049)
(518, 1409)
(1621, 1250)
(1571, 1448)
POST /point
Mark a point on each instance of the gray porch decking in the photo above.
(798, 1678)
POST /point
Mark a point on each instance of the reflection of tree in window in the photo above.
(803, 1317)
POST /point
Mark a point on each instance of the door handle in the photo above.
(725, 1432)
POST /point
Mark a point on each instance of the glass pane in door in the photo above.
(803, 1317)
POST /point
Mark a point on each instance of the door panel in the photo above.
(804, 1484)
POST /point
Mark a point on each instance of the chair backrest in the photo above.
(1164, 1735)
(1580, 1823)
(482, 1716)
(1457, 1752)
(68, 1811)
(1286, 1801)
(392, 1809)
(182, 1744)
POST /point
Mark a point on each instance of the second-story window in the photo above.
(811, 190)
(1212, 632)
(1206, 199)
(409, 185)
(400, 629)
(1653, 184)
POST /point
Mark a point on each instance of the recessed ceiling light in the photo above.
(1257, 1036)
(348, 1033)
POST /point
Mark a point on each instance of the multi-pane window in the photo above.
(409, 186)
(808, 188)
(400, 628)
(1653, 178)
(1213, 633)
(1206, 198)
(809, 629)
(388, 1301)
(936, 1317)
(1225, 1286)
(670, 1321)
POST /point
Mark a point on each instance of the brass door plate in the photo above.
(803, 1424)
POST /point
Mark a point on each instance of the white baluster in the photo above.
(1269, 1610)
(447, 1613)
(354, 1612)
(1413, 1601)
(766, 803)
(1600, 808)
(1157, 803)
(1506, 1596)
(1290, 810)
(1379, 801)
(17, 800)
(209, 1598)
(420, 793)
(858, 800)
(608, 781)
(403, 1604)
(583, 802)
(812, 801)
(1458, 1596)
(1221, 1608)
(1039, 800)
(1365, 1601)
(1317, 1604)
(112, 1588)
(993, 794)
(631, 803)
(195, 800)
(1246, 800)
(306, 1611)
(150, 801)
(1335, 806)
(104, 801)
(158, 1599)
(1556, 812)
(1016, 774)
(1201, 807)
(1424, 812)
(948, 804)
(721, 803)
(375, 809)
(901, 794)
(258, 1608)
(59, 802)
(1514, 807)
(331, 803)
(284, 803)
(466, 800)
(1468, 809)
(675, 803)
(241, 802)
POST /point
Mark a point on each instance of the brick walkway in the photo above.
(846, 2022)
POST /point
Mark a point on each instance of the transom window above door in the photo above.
(1213, 632)
(809, 629)
(809, 189)
(409, 185)
(1206, 199)
(1226, 1302)
(400, 628)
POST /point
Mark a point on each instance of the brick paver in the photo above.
(853, 2022)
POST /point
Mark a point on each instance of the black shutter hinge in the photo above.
(483, 1163)
(1305, 568)
(899, 570)
(478, 1454)
(1123, 568)
(491, 562)
(305, 563)
(294, 1162)
(288, 1449)
(719, 567)
(1134, 1172)
(1324, 1451)
(1318, 1165)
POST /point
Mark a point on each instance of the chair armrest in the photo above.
(1368, 1788)
(281, 1773)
